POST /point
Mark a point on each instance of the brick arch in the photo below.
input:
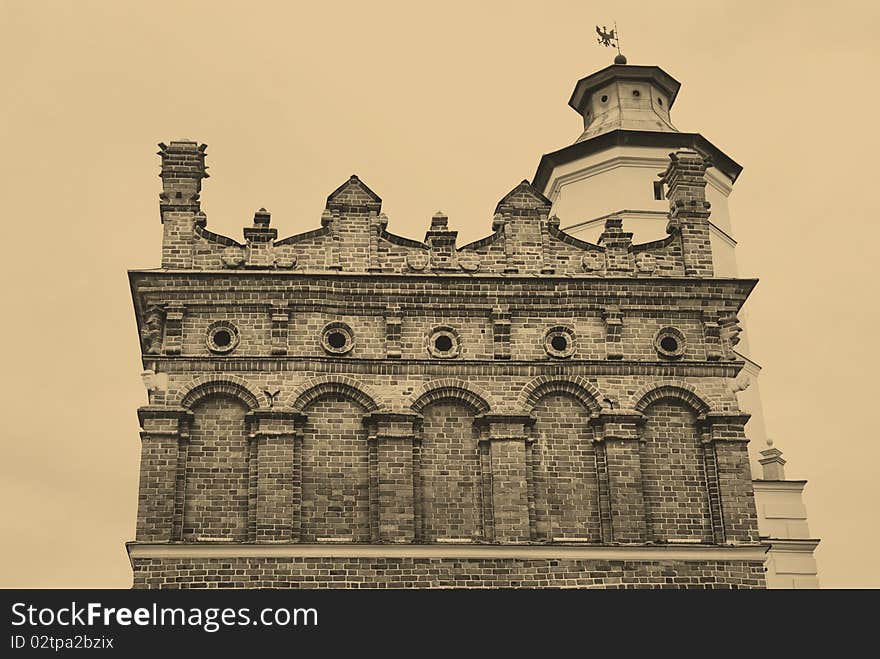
(576, 386)
(451, 389)
(309, 392)
(678, 389)
(230, 385)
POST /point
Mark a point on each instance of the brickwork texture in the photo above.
(528, 389)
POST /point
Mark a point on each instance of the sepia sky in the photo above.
(435, 106)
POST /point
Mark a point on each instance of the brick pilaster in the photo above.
(393, 325)
(507, 438)
(737, 499)
(272, 464)
(279, 316)
(613, 318)
(712, 336)
(618, 430)
(395, 435)
(164, 429)
(501, 332)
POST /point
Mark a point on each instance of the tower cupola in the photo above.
(624, 97)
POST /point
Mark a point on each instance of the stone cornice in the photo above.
(505, 418)
(393, 415)
(331, 275)
(618, 416)
(779, 486)
(732, 417)
(804, 545)
(623, 137)
(162, 412)
(754, 552)
(285, 363)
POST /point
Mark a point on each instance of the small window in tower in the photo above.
(660, 102)
(222, 337)
(604, 98)
(337, 338)
(559, 342)
(443, 343)
(658, 190)
(669, 343)
(636, 93)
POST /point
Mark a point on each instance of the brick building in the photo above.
(347, 407)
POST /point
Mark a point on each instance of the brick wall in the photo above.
(281, 440)
(570, 496)
(217, 471)
(673, 474)
(449, 473)
(442, 573)
(335, 478)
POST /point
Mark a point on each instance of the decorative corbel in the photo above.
(173, 342)
(152, 329)
(712, 335)
(730, 330)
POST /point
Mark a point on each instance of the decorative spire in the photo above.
(772, 463)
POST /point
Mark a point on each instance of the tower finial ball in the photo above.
(620, 59)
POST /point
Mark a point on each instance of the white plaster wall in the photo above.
(782, 518)
(622, 179)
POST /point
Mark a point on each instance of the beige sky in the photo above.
(435, 106)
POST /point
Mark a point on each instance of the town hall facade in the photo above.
(347, 407)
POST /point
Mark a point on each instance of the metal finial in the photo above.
(611, 38)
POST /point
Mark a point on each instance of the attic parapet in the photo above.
(354, 237)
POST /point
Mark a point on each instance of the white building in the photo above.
(611, 170)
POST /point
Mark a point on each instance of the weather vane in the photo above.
(609, 39)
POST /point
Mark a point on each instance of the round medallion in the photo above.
(417, 260)
(592, 261)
